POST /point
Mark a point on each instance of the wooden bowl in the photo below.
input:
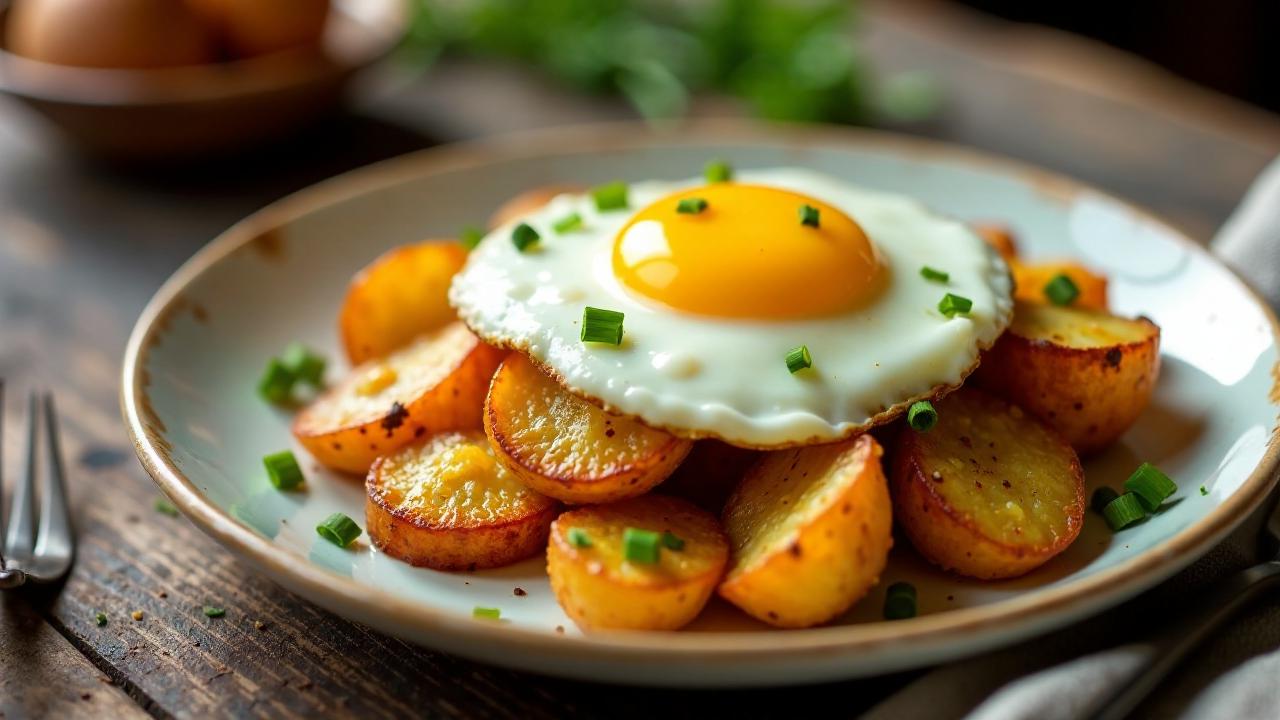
(182, 113)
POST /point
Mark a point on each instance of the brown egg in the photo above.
(109, 33)
(258, 27)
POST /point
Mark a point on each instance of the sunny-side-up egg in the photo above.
(721, 284)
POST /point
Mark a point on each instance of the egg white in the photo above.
(700, 376)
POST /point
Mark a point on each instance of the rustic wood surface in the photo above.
(82, 249)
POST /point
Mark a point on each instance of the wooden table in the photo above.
(81, 251)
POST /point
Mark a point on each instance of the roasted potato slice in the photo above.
(1031, 279)
(811, 532)
(709, 474)
(437, 383)
(565, 447)
(1000, 238)
(1089, 375)
(398, 297)
(989, 492)
(527, 202)
(448, 504)
(599, 588)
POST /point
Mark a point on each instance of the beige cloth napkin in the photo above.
(1059, 677)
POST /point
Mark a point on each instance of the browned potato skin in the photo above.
(999, 237)
(709, 474)
(1091, 395)
(420, 537)
(453, 403)
(963, 542)
(598, 590)
(814, 575)
(527, 202)
(397, 297)
(1031, 278)
(527, 416)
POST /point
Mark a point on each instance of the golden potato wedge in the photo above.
(398, 297)
(599, 588)
(448, 504)
(811, 531)
(565, 447)
(709, 474)
(528, 201)
(1031, 279)
(1000, 238)
(1089, 375)
(989, 492)
(437, 383)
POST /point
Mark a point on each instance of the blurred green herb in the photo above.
(786, 60)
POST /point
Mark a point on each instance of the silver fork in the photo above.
(37, 551)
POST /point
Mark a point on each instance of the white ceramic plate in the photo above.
(196, 353)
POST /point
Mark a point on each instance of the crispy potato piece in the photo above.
(527, 202)
(398, 297)
(1031, 278)
(437, 383)
(1089, 375)
(565, 447)
(448, 504)
(989, 492)
(1000, 238)
(710, 473)
(599, 588)
(811, 532)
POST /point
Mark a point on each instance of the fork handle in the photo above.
(1216, 607)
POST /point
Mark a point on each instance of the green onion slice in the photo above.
(641, 546)
(214, 612)
(934, 275)
(900, 601)
(691, 206)
(470, 237)
(610, 196)
(524, 237)
(339, 529)
(487, 613)
(602, 326)
(100, 618)
(671, 541)
(283, 470)
(1204, 490)
(1124, 511)
(921, 416)
(579, 538)
(306, 366)
(798, 358)
(809, 215)
(718, 171)
(164, 507)
(1101, 498)
(568, 223)
(1061, 290)
(1150, 485)
(276, 385)
(952, 305)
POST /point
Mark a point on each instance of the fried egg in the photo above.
(720, 283)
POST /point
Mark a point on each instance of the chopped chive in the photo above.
(671, 541)
(921, 416)
(691, 206)
(524, 237)
(1124, 511)
(610, 196)
(1150, 485)
(1204, 490)
(929, 273)
(579, 538)
(717, 171)
(568, 223)
(470, 237)
(1101, 498)
(276, 385)
(641, 546)
(953, 305)
(900, 601)
(602, 326)
(306, 366)
(339, 529)
(214, 612)
(164, 507)
(487, 613)
(809, 215)
(798, 358)
(283, 470)
(1061, 290)
(100, 618)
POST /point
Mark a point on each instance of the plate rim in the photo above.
(1088, 595)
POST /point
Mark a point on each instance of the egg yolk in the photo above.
(747, 255)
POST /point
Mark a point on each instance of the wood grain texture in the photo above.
(81, 250)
